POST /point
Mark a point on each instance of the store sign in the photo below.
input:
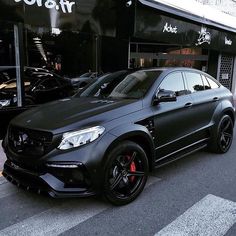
(228, 41)
(63, 5)
(170, 29)
(204, 37)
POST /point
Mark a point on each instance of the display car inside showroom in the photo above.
(65, 39)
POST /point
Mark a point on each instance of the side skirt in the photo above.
(201, 144)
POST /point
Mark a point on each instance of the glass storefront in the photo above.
(68, 53)
(167, 55)
(8, 66)
(52, 59)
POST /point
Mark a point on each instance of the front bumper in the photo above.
(37, 173)
(44, 182)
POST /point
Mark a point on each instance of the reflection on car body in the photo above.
(111, 134)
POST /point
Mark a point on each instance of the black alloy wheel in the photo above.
(126, 173)
(224, 135)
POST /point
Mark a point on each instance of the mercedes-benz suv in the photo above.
(108, 137)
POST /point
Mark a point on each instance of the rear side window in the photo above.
(194, 82)
(212, 83)
(174, 82)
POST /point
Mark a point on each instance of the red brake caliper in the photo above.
(132, 169)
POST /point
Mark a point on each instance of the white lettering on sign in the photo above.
(228, 41)
(64, 5)
(170, 29)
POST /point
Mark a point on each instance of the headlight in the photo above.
(81, 137)
(5, 103)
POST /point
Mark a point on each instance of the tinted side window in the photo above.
(194, 82)
(212, 83)
(174, 82)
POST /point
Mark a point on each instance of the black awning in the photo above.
(155, 25)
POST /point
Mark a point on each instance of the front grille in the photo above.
(29, 142)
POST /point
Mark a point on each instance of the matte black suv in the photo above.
(107, 138)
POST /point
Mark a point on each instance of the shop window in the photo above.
(67, 53)
(54, 59)
(152, 55)
(8, 90)
(174, 82)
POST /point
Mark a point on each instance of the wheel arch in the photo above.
(141, 137)
(224, 108)
(230, 113)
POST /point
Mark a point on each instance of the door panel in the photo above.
(173, 119)
(205, 100)
(173, 123)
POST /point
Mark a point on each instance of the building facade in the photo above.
(227, 6)
(74, 37)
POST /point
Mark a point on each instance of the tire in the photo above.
(223, 137)
(126, 173)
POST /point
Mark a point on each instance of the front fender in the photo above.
(138, 134)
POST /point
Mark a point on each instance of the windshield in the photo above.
(122, 84)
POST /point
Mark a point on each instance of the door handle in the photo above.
(215, 99)
(188, 105)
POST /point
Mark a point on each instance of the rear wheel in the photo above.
(126, 173)
(224, 135)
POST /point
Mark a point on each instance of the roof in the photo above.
(192, 10)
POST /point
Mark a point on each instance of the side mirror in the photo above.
(164, 96)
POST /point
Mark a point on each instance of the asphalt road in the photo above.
(193, 196)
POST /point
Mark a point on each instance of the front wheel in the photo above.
(126, 173)
(224, 135)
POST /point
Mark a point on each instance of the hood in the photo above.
(74, 113)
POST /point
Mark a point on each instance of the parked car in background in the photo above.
(7, 74)
(109, 136)
(40, 87)
(30, 71)
(83, 80)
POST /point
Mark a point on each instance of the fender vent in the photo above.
(149, 124)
